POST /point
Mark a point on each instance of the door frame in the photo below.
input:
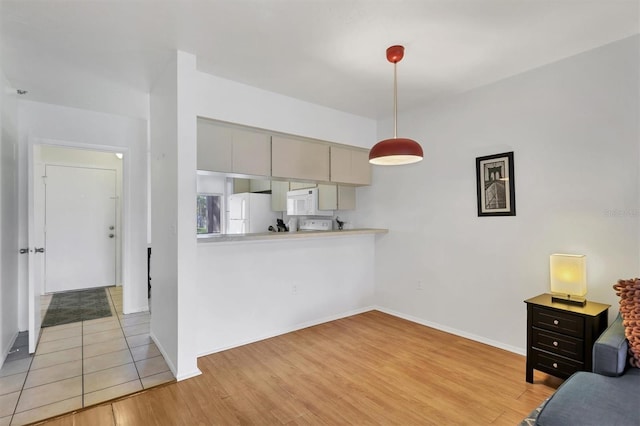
(35, 289)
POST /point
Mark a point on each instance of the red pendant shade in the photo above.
(395, 151)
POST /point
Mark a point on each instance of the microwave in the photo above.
(304, 202)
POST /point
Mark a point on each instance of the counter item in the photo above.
(281, 226)
(316, 225)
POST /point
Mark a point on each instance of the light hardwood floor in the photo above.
(371, 368)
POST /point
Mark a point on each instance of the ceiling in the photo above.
(328, 52)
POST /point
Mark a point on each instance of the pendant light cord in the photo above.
(395, 100)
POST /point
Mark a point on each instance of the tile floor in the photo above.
(80, 364)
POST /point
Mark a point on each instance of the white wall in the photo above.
(181, 94)
(573, 126)
(164, 181)
(238, 103)
(8, 217)
(246, 290)
(57, 125)
(173, 219)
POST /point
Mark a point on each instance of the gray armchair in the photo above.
(608, 396)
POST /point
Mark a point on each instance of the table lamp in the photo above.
(568, 273)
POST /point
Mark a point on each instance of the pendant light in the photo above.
(395, 151)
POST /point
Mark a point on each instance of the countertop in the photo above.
(225, 238)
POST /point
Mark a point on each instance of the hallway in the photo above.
(81, 364)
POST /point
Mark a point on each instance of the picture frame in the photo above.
(495, 184)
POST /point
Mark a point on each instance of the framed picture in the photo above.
(496, 185)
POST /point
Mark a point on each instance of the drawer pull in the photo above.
(555, 322)
(555, 343)
(555, 365)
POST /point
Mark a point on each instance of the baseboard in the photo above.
(188, 375)
(164, 353)
(450, 330)
(172, 367)
(5, 350)
(282, 331)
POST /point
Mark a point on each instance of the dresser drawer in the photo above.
(554, 364)
(559, 344)
(560, 322)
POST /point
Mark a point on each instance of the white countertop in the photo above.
(225, 238)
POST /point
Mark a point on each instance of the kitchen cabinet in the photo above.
(301, 185)
(229, 150)
(251, 153)
(259, 185)
(240, 185)
(327, 197)
(279, 195)
(336, 197)
(350, 166)
(299, 159)
(214, 147)
(346, 197)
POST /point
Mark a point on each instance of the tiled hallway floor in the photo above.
(80, 364)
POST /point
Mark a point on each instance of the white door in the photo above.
(80, 224)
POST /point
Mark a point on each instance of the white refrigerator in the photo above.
(250, 213)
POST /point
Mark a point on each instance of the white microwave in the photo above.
(304, 202)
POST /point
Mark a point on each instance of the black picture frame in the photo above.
(495, 181)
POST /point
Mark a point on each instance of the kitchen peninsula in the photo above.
(226, 238)
(256, 285)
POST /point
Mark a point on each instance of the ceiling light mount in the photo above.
(395, 151)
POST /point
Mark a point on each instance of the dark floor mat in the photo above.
(74, 306)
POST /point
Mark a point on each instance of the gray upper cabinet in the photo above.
(231, 150)
(350, 166)
(299, 159)
(251, 153)
(215, 147)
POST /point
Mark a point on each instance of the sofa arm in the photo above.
(610, 350)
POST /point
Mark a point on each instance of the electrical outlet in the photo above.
(419, 285)
(294, 289)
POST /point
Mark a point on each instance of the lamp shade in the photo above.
(395, 151)
(568, 273)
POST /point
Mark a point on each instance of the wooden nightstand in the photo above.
(560, 337)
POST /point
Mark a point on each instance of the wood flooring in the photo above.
(367, 369)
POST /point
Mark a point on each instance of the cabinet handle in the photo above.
(555, 343)
(555, 322)
(555, 365)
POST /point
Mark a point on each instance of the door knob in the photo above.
(111, 235)
(39, 250)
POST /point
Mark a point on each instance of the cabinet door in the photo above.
(259, 185)
(360, 168)
(279, 195)
(301, 185)
(251, 153)
(340, 164)
(327, 197)
(350, 166)
(214, 147)
(240, 185)
(299, 159)
(346, 197)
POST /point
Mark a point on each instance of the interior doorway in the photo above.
(75, 224)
